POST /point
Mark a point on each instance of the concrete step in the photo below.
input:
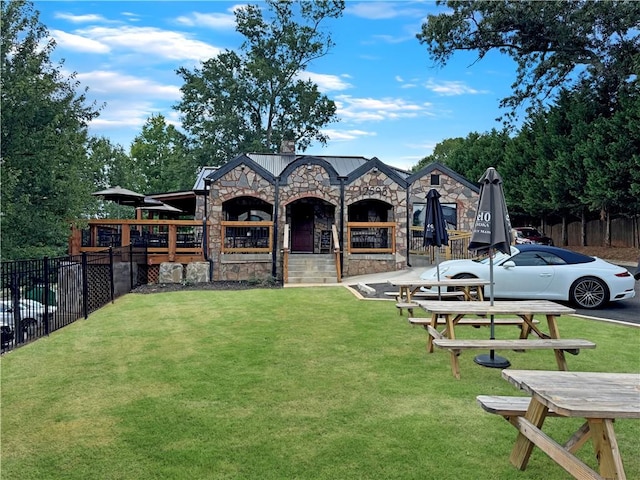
(307, 268)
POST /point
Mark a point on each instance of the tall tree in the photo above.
(47, 177)
(442, 153)
(117, 169)
(163, 157)
(553, 43)
(254, 99)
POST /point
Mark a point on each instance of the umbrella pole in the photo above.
(491, 360)
(438, 270)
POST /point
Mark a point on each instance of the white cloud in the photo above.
(346, 135)
(383, 10)
(452, 88)
(326, 83)
(372, 109)
(111, 84)
(210, 20)
(78, 43)
(152, 41)
(88, 18)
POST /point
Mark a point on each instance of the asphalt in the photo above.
(372, 286)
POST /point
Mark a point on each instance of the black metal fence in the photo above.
(40, 296)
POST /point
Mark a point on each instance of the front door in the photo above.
(302, 228)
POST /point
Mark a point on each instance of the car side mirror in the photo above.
(509, 264)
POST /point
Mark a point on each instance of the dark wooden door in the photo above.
(302, 228)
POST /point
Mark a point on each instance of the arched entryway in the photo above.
(310, 220)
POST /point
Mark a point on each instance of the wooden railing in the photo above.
(371, 237)
(285, 253)
(246, 237)
(458, 247)
(166, 240)
(336, 251)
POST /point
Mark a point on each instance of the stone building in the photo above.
(358, 215)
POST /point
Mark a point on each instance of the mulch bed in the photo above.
(181, 287)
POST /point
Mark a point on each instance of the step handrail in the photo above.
(336, 252)
(285, 254)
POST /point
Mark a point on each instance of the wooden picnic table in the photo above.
(453, 312)
(471, 288)
(600, 398)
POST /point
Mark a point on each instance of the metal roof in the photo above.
(275, 163)
(204, 173)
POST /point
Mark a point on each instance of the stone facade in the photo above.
(310, 195)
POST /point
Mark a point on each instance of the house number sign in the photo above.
(382, 191)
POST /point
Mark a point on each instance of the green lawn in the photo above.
(274, 384)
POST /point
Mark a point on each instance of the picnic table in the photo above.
(600, 398)
(457, 288)
(453, 312)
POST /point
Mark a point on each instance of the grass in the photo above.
(274, 384)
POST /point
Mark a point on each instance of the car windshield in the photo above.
(497, 256)
(531, 232)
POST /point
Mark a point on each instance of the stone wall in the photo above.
(244, 266)
(377, 185)
(451, 191)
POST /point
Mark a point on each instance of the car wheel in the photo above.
(6, 333)
(589, 292)
(460, 275)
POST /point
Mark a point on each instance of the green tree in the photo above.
(611, 156)
(255, 99)
(555, 44)
(442, 153)
(472, 155)
(47, 177)
(117, 168)
(163, 157)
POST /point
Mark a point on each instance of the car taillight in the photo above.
(623, 274)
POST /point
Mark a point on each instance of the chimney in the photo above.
(288, 147)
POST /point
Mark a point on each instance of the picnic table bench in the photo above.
(452, 314)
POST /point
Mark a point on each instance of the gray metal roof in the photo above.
(204, 173)
(275, 163)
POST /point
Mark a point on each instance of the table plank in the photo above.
(499, 307)
(581, 394)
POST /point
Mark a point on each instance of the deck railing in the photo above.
(247, 237)
(371, 237)
(165, 240)
(458, 247)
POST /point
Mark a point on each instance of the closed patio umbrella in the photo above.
(435, 228)
(491, 232)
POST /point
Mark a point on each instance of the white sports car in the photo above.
(539, 272)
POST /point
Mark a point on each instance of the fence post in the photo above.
(18, 335)
(131, 284)
(46, 295)
(85, 286)
(112, 289)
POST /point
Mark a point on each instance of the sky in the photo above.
(392, 101)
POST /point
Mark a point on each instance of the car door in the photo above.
(529, 276)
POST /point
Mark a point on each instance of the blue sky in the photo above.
(393, 103)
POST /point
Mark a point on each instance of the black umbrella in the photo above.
(435, 228)
(491, 231)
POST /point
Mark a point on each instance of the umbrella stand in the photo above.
(491, 360)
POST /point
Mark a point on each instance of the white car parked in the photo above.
(32, 315)
(537, 272)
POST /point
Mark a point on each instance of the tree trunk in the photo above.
(607, 229)
(564, 240)
(583, 228)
